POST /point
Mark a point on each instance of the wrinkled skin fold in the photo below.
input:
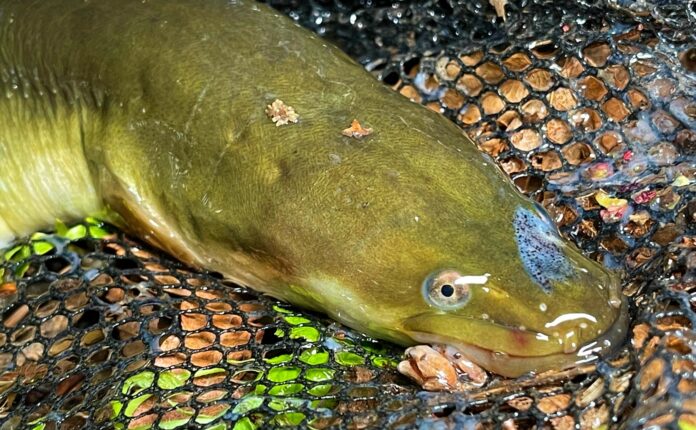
(155, 111)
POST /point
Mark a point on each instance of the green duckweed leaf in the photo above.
(134, 404)
(295, 320)
(320, 390)
(380, 361)
(323, 404)
(279, 359)
(60, 228)
(349, 358)
(310, 334)
(22, 269)
(207, 418)
(244, 424)
(281, 310)
(18, 253)
(77, 232)
(286, 389)
(137, 383)
(319, 374)
(314, 356)
(283, 374)
(288, 419)
(247, 404)
(116, 407)
(38, 236)
(41, 247)
(208, 372)
(279, 404)
(182, 417)
(173, 378)
(97, 232)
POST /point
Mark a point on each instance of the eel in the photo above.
(154, 112)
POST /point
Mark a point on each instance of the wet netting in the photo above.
(589, 107)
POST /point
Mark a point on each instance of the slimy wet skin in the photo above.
(156, 111)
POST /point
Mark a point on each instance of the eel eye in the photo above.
(446, 289)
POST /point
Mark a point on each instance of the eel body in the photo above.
(156, 111)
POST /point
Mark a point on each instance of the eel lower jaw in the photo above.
(513, 366)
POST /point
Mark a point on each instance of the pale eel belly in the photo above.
(238, 142)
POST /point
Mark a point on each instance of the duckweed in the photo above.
(173, 378)
(310, 334)
(285, 389)
(134, 404)
(346, 358)
(314, 356)
(283, 374)
(319, 374)
(137, 383)
(288, 419)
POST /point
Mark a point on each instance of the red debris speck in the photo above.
(643, 196)
(613, 213)
(627, 155)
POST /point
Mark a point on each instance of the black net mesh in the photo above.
(588, 107)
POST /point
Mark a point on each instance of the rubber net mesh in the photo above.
(588, 107)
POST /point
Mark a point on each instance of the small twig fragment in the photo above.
(499, 6)
(356, 130)
(281, 114)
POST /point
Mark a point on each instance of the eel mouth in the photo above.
(513, 366)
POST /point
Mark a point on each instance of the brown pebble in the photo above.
(470, 85)
(470, 114)
(688, 59)
(586, 120)
(471, 59)
(539, 79)
(451, 99)
(578, 153)
(616, 76)
(547, 161)
(491, 103)
(571, 67)
(526, 140)
(615, 109)
(513, 90)
(512, 165)
(596, 54)
(517, 62)
(592, 88)
(534, 111)
(509, 121)
(609, 142)
(562, 99)
(637, 99)
(558, 131)
(493, 147)
(490, 72)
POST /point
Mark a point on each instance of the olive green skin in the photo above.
(170, 97)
